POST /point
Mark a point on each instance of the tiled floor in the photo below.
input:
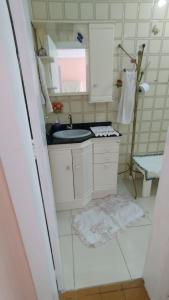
(120, 259)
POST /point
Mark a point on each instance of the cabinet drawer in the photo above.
(108, 147)
(100, 158)
(105, 176)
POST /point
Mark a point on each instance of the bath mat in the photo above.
(99, 221)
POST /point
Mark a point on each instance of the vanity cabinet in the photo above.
(84, 171)
(72, 174)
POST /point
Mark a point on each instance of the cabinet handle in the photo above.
(68, 168)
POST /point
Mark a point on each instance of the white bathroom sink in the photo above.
(72, 133)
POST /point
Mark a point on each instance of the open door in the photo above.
(19, 166)
(30, 81)
(156, 273)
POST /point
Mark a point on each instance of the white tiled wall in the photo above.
(133, 26)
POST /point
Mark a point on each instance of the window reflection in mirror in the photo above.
(66, 66)
(70, 64)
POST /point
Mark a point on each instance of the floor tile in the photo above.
(136, 294)
(107, 264)
(125, 187)
(95, 266)
(113, 296)
(145, 220)
(64, 222)
(148, 205)
(134, 243)
(67, 261)
(122, 187)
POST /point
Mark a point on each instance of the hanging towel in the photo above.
(44, 89)
(126, 103)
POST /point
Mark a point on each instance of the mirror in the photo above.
(65, 60)
(65, 50)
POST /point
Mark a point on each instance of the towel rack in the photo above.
(140, 73)
(132, 59)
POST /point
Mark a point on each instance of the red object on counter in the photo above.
(119, 83)
(57, 107)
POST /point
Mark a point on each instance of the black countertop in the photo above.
(51, 128)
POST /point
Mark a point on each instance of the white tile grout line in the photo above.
(118, 243)
(128, 227)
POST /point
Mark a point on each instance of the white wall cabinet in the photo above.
(101, 37)
(84, 171)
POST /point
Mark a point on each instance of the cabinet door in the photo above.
(83, 172)
(101, 38)
(62, 174)
(105, 176)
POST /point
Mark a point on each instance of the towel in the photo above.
(126, 104)
(104, 131)
(44, 89)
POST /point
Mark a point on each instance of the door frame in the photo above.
(18, 159)
(19, 164)
(27, 57)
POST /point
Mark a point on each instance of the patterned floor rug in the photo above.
(99, 221)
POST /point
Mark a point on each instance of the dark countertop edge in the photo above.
(51, 128)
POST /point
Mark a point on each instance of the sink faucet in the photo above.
(70, 126)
